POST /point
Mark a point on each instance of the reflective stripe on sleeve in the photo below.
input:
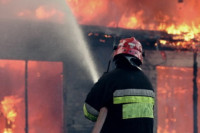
(137, 110)
(134, 92)
(90, 112)
(131, 99)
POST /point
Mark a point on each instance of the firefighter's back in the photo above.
(131, 107)
(126, 92)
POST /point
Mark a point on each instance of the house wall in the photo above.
(33, 44)
(76, 93)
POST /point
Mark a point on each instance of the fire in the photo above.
(188, 32)
(179, 18)
(88, 10)
(183, 36)
(174, 114)
(183, 25)
(133, 21)
(133, 14)
(9, 112)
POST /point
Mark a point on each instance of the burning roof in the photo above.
(180, 19)
(133, 14)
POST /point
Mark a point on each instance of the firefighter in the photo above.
(122, 99)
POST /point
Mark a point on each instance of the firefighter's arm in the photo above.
(100, 120)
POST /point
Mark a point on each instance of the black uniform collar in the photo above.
(124, 64)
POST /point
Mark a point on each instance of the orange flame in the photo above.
(133, 21)
(180, 19)
(145, 13)
(184, 36)
(172, 112)
(88, 11)
(9, 112)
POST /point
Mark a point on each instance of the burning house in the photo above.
(50, 56)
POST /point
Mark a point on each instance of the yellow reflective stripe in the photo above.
(88, 115)
(137, 110)
(91, 110)
(131, 99)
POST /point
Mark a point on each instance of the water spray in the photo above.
(89, 61)
(82, 47)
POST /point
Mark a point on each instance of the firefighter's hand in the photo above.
(100, 120)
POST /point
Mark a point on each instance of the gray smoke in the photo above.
(43, 30)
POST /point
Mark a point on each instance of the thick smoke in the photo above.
(43, 30)
(43, 25)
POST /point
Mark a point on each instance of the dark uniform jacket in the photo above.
(129, 97)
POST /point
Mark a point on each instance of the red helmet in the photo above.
(130, 46)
